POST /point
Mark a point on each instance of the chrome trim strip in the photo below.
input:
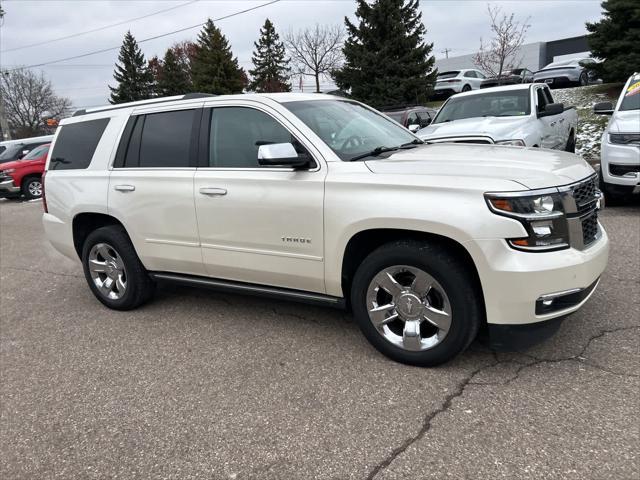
(568, 310)
(262, 290)
(177, 243)
(262, 252)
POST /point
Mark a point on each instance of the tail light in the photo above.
(44, 197)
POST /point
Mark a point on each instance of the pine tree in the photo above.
(386, 59)
(214, 68)
(132, 74)
(271, 67)
(615, 39)
(174, 79)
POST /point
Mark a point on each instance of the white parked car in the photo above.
(520, 115)
(319, 199)
(456, 81)
(620, 152)
(566, 73)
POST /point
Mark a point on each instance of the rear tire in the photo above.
(429, 328)
(466, 88)
(32, 188)
(113, 270)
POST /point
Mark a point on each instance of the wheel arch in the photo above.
(364, 242)
(85, 223)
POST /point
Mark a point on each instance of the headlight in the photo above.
(541, 214)
(8, 170)
(624, 138)
(515, 142)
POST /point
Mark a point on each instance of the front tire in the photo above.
(584, 79)
(416, 303)
(571, 143)
(32, 188)
(113, 270)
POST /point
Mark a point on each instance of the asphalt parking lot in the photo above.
(204, 385)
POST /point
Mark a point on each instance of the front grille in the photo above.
(585, 194)
(589, 228)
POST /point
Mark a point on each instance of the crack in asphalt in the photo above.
(468, 380)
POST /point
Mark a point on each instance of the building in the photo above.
(533, 56)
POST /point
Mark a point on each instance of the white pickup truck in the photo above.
(522, 115)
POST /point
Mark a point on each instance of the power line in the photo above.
(46, 42)
(146, 39)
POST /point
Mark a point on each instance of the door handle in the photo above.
(212, 191)
(553, 124)
(562, 120)
(124, 188)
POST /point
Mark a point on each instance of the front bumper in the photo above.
(612, 157)
(8, 188)
(514, 281)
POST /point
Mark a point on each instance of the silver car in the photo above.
(565, 73)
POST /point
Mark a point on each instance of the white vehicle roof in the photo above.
(42, 138)
(170, 101)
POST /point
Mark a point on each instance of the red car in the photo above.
(24, 176)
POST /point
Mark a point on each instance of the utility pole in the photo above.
(4, 125)
(446, 52)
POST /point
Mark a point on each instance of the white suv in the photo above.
(620, 145)
(324, 200)
(456, 81)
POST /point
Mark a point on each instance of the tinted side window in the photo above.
(76, 144)
(236, 134)
(470, 74)
(165, 140)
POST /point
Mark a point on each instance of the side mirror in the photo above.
(551, 109)
(603, 108)
(414, 127)
(425, 122)
(281, 155)
(22, 154)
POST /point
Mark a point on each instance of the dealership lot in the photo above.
(205, 385)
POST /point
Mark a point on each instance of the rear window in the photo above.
(451, 74)
(76, 144)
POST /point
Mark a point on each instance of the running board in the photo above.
(251, 289)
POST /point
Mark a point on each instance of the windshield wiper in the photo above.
(374, 153)
(382, 149)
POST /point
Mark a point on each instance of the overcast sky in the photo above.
(451, 24)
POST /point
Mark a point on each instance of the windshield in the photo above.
(348, 128)
(443, 75)
(36, 152)
(631, 99)
(513, 103)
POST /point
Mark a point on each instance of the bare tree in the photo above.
(316, 51)
(28, 99)
(509, 35)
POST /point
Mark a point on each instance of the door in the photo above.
(151, 189)
(549, 135)
(258, 225)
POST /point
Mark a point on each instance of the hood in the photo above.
(498, 128)
(15, 164)
(530, 167)
(625, 121)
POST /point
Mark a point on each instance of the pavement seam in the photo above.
(426, 425)
(461, 387)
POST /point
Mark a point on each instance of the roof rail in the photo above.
(151, 101)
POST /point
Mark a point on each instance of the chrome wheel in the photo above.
(409, 308)
(35, 188)
(107, 271)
